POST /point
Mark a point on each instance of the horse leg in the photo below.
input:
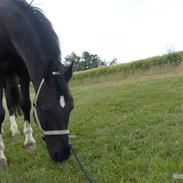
(13, 125)
(3, 160)
(29, 142)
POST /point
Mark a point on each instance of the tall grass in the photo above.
(173, 59)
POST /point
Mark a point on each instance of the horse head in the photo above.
(53, 105)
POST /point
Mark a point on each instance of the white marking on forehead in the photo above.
(62, 101)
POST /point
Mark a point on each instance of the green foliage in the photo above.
(113, 61)
(172, 58)
(85, 62)
(75, 59)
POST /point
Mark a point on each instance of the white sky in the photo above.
(123, 29)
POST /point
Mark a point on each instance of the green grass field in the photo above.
(126, 131)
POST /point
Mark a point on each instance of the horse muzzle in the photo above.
(60, 156)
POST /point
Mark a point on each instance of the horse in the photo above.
(13, 72)
(26, 33)
(12, 96)
(13, 100)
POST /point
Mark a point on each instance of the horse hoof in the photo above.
(16, 134)
(3, 163)
(30, 146)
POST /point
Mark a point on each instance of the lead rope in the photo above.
(81, 166)
(59, 132)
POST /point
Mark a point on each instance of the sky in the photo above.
(124, 29)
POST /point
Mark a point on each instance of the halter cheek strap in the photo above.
(46, 132)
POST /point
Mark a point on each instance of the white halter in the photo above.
(44, 132)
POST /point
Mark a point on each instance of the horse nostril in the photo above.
(61, 157)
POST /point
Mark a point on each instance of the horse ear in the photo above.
(68, 72)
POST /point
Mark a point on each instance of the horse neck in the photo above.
(36, 68)
(36, 76)
(26, 43)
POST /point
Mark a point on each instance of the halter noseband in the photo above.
(46, 132)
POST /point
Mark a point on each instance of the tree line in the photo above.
(86, 61)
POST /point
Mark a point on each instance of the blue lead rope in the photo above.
(81, 166)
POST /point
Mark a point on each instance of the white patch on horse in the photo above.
(2, 156)
(13, 126)
(29, 139)
(62, 101)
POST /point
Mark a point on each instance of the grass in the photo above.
(128, 130)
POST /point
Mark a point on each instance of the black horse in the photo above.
(26, 36)
(13, 72)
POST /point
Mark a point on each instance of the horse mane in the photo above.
(46, 35)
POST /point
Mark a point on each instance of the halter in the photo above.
(46, 132)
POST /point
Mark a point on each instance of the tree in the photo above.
(73, 58)
(85, 62)
(91, 60)
(114, 61)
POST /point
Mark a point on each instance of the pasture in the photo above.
(127, 130)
